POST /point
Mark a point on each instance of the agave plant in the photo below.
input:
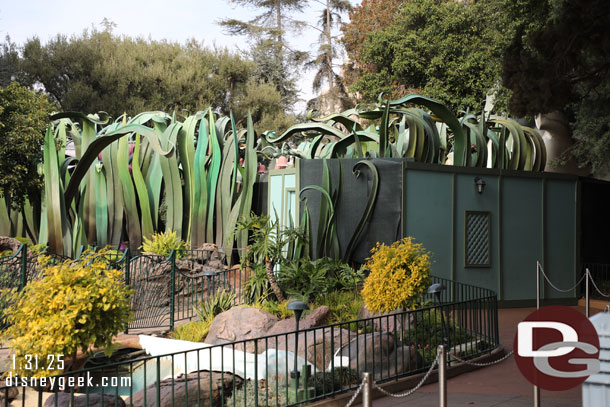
(435, 136)
(146, 174)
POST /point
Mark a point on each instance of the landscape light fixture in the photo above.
(297, 307)
(479, 183)
(209, 274)
(437, 289)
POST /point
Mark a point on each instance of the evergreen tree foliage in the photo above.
(99, 71)
(447, 50)
(24, 116)
(560, 61)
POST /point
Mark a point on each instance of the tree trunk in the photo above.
(278, 4)
(329, 52)
(274, 286)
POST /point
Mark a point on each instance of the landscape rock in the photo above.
(9, 243)
(316, 346)
(196, 387)
(316, 317)
(385, 322)
(13, 392)
(381, 354)
(82, 400)
(240, 323)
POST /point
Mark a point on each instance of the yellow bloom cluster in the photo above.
(76, 304)
(399, 274)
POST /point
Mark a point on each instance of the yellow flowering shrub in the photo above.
(77, 304)
(399, 274)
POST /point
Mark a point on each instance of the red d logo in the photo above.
(556, 348)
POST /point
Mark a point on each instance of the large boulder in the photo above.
(316, 317)
(205, 387)
(83, 400)
(317, 346)
(386, 321)
(12, 393)
(9, 243)
(379, 353)
(241, 323)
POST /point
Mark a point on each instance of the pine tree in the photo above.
(269, 48)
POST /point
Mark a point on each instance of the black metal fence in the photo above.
(260, 372)
(165, 289)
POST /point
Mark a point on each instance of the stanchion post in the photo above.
(587, 275)
(442, 375)
(536, 389)
(367, 390)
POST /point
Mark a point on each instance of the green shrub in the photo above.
(257, 288)
(315, 279)
(399, 275)
(428, 334)
(75, 305)
(163, 243)
(344, 305)
(244, 396)
(194, 331)
(339, 377)
(279, 309)
(220, 302)
(6, 253)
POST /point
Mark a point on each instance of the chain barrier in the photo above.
(595, 285)
(557, 288)
(468, 362)
(586, 274)
(414, 389)
(351, 401)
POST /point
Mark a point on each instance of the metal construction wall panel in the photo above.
(522, 236)
(469, 200)
(428, 216)
(385, 223)
(560, 223)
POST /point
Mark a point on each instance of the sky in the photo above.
(176, 20)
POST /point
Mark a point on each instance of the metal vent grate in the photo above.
(477, 239)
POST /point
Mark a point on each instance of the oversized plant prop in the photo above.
(148, 174)
(437, 136)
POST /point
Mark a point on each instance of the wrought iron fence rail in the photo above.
(338, 354)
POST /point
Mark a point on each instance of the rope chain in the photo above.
(595, 285)
(414, 389)
(557, 288)
(502, 359)
(351, 401)
(587, 274)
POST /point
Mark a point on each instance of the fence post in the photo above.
(172, 258)
(23, 262)
(127, 256)
(587, 276)
(367, 390)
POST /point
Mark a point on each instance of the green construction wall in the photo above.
(533, 217)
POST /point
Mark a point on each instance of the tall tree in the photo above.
(367, 18)
(559, 60)
(24, 116)
(100, 71)
(269, 47)
(330, 17)
(445, 49)
(9, 60)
